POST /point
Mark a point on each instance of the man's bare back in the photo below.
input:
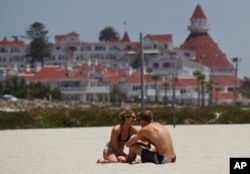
(160, 138)
(154, 134)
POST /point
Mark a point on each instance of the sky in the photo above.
(229, 20)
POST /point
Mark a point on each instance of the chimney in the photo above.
(15, 67)
(27, 67)
(89, 62)
(69, 66)
(128, 70)
(96, 62)
(38, 67)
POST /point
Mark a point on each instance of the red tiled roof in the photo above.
(186, 83)
(125, 38)
(221, 80)
(228, 96)
(134, 44)
(113, 79)
(134, 78)
(58, 73)
(218, 95)
(63, 36)
(198, 13)
(207, 51)
(163, 38)
(6, 43)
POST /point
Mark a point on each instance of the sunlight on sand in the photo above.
(202, 149)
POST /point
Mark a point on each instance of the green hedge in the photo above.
(59, 118)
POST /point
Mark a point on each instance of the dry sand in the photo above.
(201, 149)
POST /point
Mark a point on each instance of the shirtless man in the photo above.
(155, 134)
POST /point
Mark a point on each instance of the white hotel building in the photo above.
(87, 64)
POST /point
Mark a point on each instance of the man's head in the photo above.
(145, 116)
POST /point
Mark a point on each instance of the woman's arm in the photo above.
(114, 141)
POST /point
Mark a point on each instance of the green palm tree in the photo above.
(210, 87)
(217, 93)
(197, 75)
(202, 80)
(155, 78)
(149, 71)
(236, 61)
(165, 85)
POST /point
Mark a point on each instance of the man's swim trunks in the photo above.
(153, 157)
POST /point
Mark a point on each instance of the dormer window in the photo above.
(99, 48)
(114, 47)
(155, 65)
(72, 48)
(155, 46)
(203, 56)
(129, 47)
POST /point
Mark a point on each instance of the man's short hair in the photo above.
(146, 115)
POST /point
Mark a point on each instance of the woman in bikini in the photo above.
(120, 134)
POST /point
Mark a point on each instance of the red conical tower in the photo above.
(125, 37)
(207, 51)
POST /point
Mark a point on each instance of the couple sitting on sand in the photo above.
(152, 142)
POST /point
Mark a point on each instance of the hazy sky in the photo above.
(229, 20)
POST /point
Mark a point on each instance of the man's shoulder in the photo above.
(156, 124)
(147, 127)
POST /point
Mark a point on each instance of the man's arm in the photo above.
(133, 139)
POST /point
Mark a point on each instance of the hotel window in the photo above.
(86, 48)
(203, 56)
(99, 48)
(16, 58)
(187, 54)
(156, 65)
(72, 48)
(166, 65)
(183, 91)
(129, 47)
(114, 47)
(136, 87)
(3, 50)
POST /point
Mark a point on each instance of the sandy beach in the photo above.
(200, 149)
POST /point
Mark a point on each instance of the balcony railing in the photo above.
(86, 90)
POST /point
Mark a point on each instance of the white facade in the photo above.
(160, 55)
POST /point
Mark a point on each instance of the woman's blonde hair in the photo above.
(125, 113)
